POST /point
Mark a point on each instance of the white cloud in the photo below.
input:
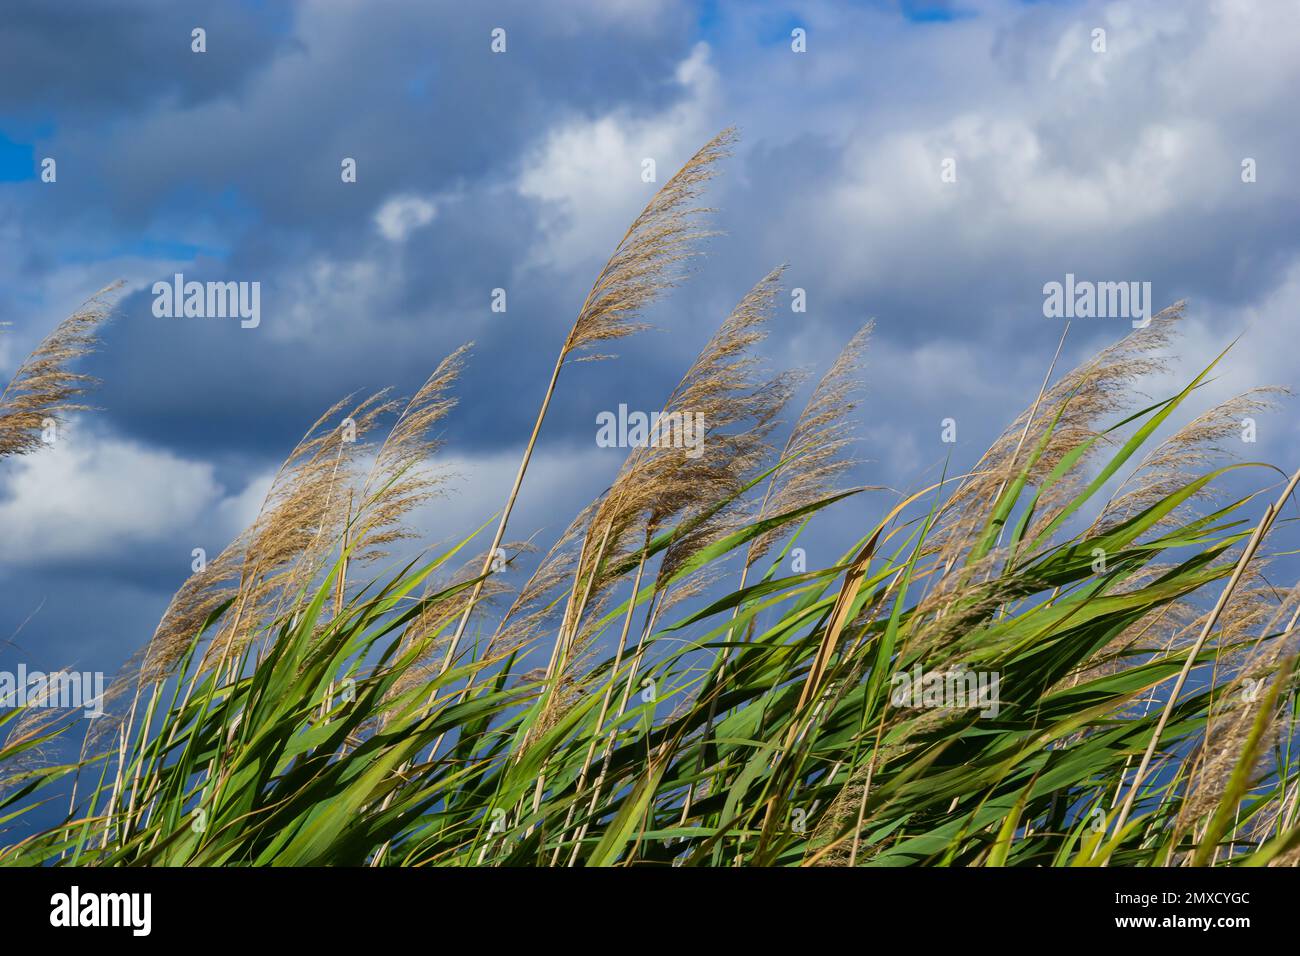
(97, 498)
(91, 497)
(588, 172)
(558, 484)
(88, 496)
(402, 215)
(327, 286)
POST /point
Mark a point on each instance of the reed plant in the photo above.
(706, 700)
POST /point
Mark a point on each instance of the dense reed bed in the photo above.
(707, 699)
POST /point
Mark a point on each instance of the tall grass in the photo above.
(707, 699)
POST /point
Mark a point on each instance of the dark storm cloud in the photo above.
(79, 60)
(415, 96)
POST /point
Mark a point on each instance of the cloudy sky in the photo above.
(520, 170)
